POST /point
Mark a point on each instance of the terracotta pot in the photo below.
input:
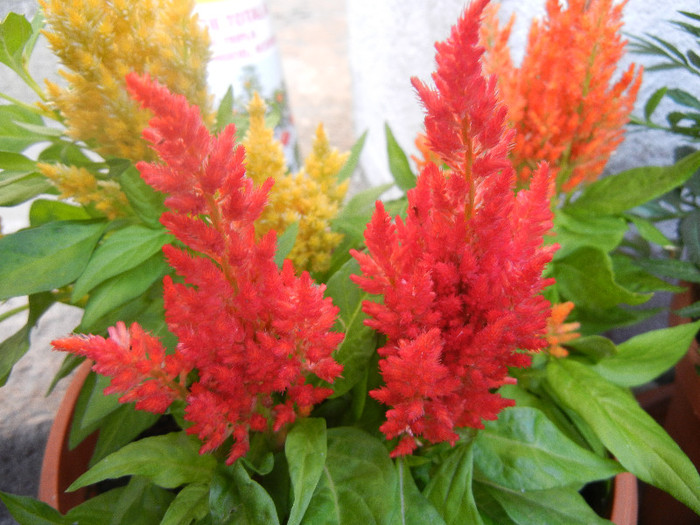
(62, 466)
(677, 408)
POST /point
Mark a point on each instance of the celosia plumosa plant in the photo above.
(286, 402)
(270, 327)
(567, 107)
(454, 316)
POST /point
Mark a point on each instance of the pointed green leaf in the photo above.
(123, 250)
(523, 450)
(623, 191)
(631, 435)
(654, 101)
(25, 187)
(586, 277)
(121, 288)
(572, 232)
(398, 162)
(30, 511)
(44, 211)
(648, 355)
(673, 268)
(683, 98)
(236, 499)
(15, 32)
(47, 257)
(119, 428)
(140, 503)
(305, 449)
(224, 115)
(13, 137)
(561, 506)
(191, 503)
(450, 488)
(358, 345)
(358, 483)
(349, 168)
(414, 507)
(168, 461)
(144, 200)
(690, 235)
(285, 243)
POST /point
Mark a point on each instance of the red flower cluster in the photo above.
(251, 332)
(461, 277)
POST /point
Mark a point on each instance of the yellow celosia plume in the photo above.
(310, 197)
(83, 187)
(99, 42)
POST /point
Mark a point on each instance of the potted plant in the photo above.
(417, 375)
(680, 400)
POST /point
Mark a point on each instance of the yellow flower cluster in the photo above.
(99, 42)
(82, 186)
(310, 197)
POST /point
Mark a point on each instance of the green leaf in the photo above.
(691, 311)
(634, 278)
(690, 235)
(94, 510)
(358, 483)
(235, 499)
(353, 218)
(305, 449)
(92, 390)
(47, 257)
(44, 211)
(121, 251)
(683, 98)
(595, 347)
(24, 188)
(121, 288)
(414, 506)
(631, 435)
(359, 343)
(523, 450)
(140, 503)
(561, 506)
(224, 115)
(648, 355)
(450, 488)
(398, 162)
(649, 231)
(349, 168)
(10, 161)
(191, 503)
(623, 191)
(120, 427)
(14, 347)
(654, 101)
(30, 511)
(13, 137)
(285, 243)
(15, 32)
(572, 232)
(168, 461)
(673, 268)
(144, 200)
(586, 277)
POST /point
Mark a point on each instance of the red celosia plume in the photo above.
(461, 277)
(251, 332)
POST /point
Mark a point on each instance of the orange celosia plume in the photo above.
(562, 100)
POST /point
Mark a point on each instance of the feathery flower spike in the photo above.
(567, 108)
(461, 277)
(253, 333)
